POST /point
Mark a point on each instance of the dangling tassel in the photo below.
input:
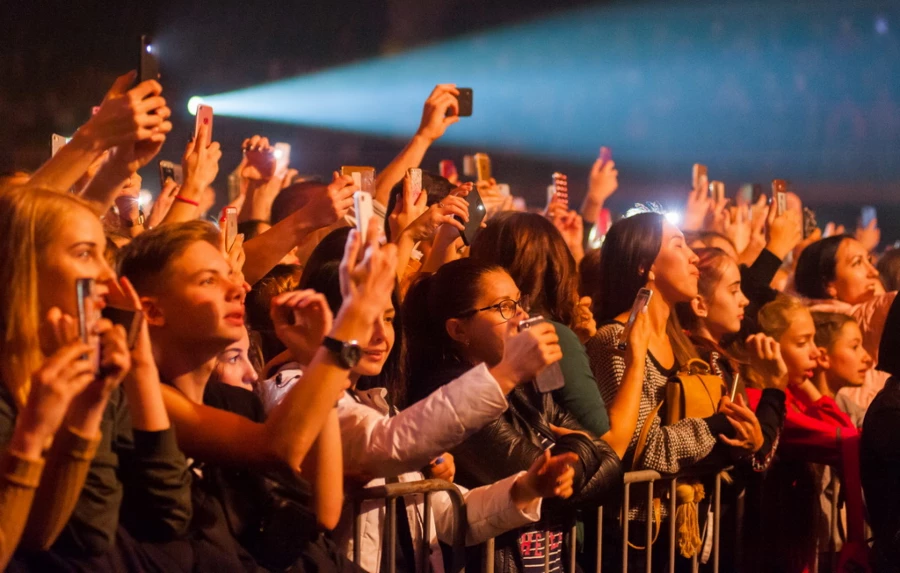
(686, 521)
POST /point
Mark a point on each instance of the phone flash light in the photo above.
(149, 48)
(673, 217)
(278, 153)
(144, 198)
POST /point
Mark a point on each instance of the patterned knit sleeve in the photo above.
(669, 449)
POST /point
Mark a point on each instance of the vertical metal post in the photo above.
(600, 539)
(717, 504)
(426, 537)
(357, 530)
(672, 497)
(650, 526)
(392, 533)
(835, 516)
(573, 543)
(489, 556)
(547, 534)
(626, 506)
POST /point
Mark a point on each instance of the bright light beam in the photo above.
(663, 85)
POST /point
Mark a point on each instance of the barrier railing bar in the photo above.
(391, 524)
(573, 543)
(489, 549)
(717, 522)
(600, 539)
(626, 505)
(547, 534)
(650, 525)
(357, 530)
(426, 537)
(833, 529)
(672, 498)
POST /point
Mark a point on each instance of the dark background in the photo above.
(832, 110)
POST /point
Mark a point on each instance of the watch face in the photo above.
(351, 354)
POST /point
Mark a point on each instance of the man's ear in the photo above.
(698, 305)
(152, 311)
(823, 360)
(456, 329)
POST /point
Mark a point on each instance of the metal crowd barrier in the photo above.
(390, 493)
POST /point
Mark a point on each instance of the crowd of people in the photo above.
(177, 399)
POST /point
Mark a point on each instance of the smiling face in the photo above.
(376, 352)
(856, 280)
(798, 346)
(846, 362)
(197, 301)
(674, 272)
(75, 251)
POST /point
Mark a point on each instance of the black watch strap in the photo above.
(347, 354)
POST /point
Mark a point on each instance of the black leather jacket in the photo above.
(511, 444)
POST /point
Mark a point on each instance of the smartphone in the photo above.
(866, 215)
(561, 188)
(130, 320)
(229, 226)
(204, 117)
(84, 292)
(366, 177)
(745, 195)
(148, 65)
(465, 102)
(282, 158)
(357, 180)
(362, 205)
(735, 381)
(809, 222)
(168, 170)
(468, 166)
(640, 302)
(698, 172)
(477, 212)
(779, 194)
(448, 169)
(415, 183)
(483, 166)
(57, 142)
(717, 191)
(605, 154)
(551, 378)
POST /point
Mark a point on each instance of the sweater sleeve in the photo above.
(580, 396)
(756, 278)
(378, 446)
(19, 478)
(157, 485)
(669, 448)
(67, 467)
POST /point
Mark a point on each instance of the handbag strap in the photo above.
(644, 435)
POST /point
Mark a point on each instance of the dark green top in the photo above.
(580, 396)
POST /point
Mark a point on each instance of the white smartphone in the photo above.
(468, 166)
(362, 205)
(282, 158)
(640, 302)
(204, 117)
(779, 192)
(483, 166)
(717, 190)
(229, 225)
(415, 183)
(57, 142)
(550, 378)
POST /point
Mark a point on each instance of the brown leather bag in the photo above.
(693, 392)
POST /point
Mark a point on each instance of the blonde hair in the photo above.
(29, 219)
(775, 317)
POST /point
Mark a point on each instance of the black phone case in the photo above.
(148, 67)
(465, 102)
(477, 213)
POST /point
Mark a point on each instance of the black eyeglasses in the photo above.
(507, 308)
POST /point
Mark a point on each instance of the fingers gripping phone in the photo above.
(168, 170)
(229, 226)
(87, 315)
(605, 155)
(282, 158)
(699, 172)
(204, 117)
(640, 302)
(550, 378)
(477, 212)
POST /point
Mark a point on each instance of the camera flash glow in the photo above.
(193, 104)
(144, 198)
(149, 48)
(673, 217)
(277, 153)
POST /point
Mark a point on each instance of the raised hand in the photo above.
(748, 433)
(440, 112)
(443, 468)
(785, 230)
(301, 319)
(698, 207)
(869, 236)
(738, 227)
(406, 210)
(527, 353)
(603, 180)
(549, 476)
(766, 361)
(638, 339)
(200, 164)
(129, 115)
(571, 226)
(324, 209)
(260, 159)
(442, 213)
(367, 284)
(163, 203)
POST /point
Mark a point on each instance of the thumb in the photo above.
(773, 212)
(121, 85)
(540, 464)
(422, 199)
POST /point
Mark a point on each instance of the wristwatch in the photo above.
(346, 353)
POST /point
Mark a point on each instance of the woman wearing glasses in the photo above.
(460, 317)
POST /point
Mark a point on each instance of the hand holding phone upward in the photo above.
(550, 378)
(640, 303)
